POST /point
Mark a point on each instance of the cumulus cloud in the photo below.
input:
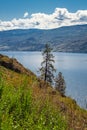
(26, 14)
(60, 17)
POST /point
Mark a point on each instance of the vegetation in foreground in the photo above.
(25, 104)
(19, 111)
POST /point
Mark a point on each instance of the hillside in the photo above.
(13, 64)
(26, 103)
(65, 39)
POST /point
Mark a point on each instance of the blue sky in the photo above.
(41, 14)
(10, 9)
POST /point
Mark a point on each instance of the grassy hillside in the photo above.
(26, 103)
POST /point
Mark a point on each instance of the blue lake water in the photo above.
(72, 65)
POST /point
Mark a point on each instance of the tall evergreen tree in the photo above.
(47, 69)
(60, 84)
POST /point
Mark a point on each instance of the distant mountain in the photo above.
(64, 39)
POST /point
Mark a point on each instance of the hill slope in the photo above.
(65, 39)
(26, 104)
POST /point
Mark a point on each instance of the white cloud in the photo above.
(60, 17)
(26, 14)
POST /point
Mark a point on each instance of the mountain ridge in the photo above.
(64, 39)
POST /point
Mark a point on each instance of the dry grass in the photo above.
(75, 117)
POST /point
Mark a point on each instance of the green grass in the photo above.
(19, 111)
(26, 105)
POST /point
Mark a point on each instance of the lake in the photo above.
(72, 65)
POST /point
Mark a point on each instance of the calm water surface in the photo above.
(73, 67)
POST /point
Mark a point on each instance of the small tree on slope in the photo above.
(60, 84)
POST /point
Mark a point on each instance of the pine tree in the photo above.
(47, 69)
(60, 84)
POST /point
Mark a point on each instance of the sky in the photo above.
(15, 13)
